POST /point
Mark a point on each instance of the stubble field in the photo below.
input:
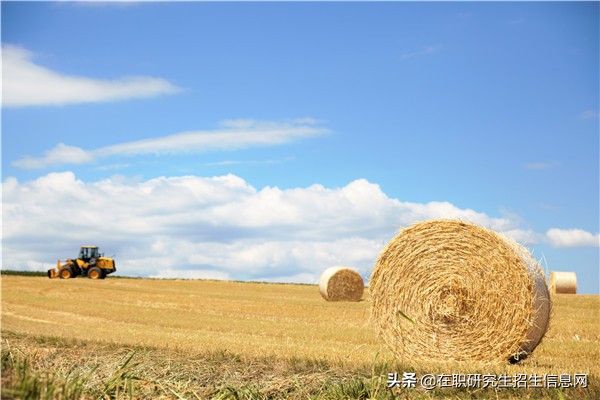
(144, 338)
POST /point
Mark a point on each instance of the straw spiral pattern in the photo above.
(453, 291)
(341, 284)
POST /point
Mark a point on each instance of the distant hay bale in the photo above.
(563, 282)
(341, 284)
(447, 290)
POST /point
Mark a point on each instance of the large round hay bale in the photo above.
(450, 290)
(563, 282)
(341, 284)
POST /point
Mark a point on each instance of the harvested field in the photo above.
(246, 318)
(210, 339)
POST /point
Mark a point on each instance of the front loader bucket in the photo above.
(53, 273)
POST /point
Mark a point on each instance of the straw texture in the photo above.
(447, 290)
(563, 282)
(341, 284)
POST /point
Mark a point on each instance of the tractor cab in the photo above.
(88, 253)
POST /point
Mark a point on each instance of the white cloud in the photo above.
(524, 236)
(572, 238)
(219, 227)
(233, 135)
(61, 154)
(109, 167)
(191, 274)
(25, 83)
(298, 278)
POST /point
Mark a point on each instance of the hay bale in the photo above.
(447, 290)
(563, 282)
(341, 284)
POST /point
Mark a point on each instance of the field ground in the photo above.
(172, 339)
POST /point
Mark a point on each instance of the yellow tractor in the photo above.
(90, 263)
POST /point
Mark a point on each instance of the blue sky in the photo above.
(270, 141)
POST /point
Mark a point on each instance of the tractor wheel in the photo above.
(94, 273)
(66, 273)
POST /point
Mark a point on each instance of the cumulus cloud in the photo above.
(212, 227)
(25, 83)
(232, 135)
(572, 238)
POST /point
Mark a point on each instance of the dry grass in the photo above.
(254, 319)
(451, 290)
(207, 339)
